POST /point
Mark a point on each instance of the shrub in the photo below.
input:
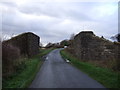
(10, 54)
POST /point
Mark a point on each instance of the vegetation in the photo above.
(103, 75)
(43, 52)
(25, 72)
(116, 37)
(10, 58)
(65, 43)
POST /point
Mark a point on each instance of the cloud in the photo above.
(54, 21)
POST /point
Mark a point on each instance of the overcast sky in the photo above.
(56, 21)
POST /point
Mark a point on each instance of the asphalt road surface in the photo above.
(57, 73)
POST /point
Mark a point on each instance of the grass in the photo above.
(26, 72)
(103, 75)
(45, 51)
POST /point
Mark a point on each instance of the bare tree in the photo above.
(5, 37)
(72, 36)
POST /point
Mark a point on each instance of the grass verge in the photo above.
(26, 72)
(103, 75)
(45, 51)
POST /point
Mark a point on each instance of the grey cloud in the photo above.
(59, 21)
(9, 4)
(59, 10)
(42, 8)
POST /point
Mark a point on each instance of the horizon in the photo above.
(111, 40)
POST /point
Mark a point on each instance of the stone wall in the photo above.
(28, 43)
(33, 44)
(23, 45)
(87, 46)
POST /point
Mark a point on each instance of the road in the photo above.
(56, 73)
